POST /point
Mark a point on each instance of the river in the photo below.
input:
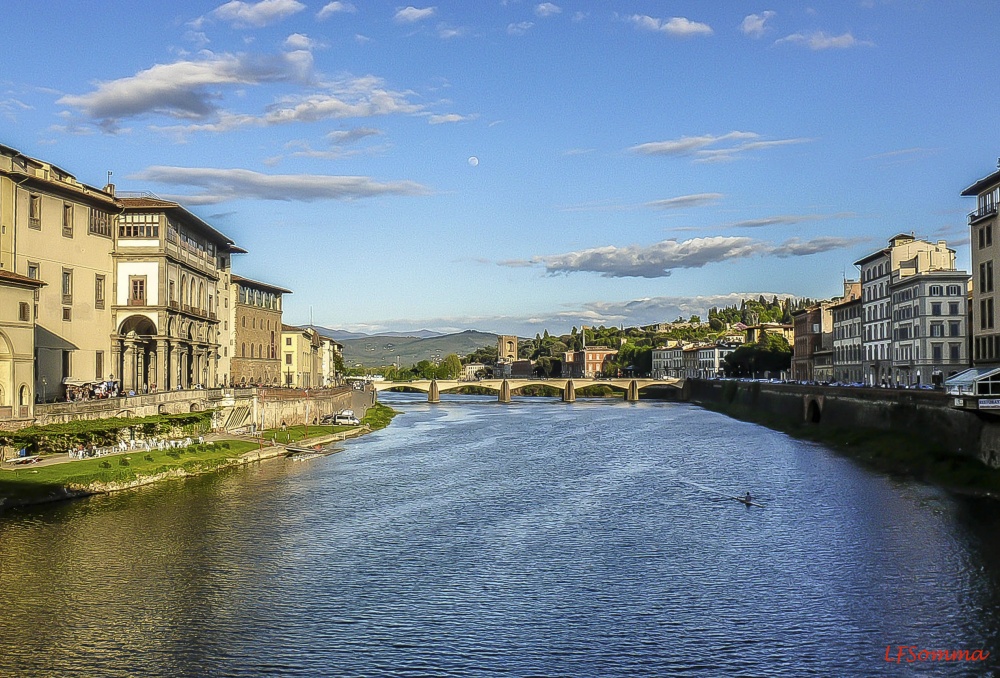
(531, 539)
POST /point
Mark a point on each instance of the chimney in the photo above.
(110, 188)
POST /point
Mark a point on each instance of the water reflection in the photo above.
(536, 538)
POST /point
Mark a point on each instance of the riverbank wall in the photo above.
(924, 418)
(235, 408)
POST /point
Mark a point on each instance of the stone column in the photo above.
(504, 396)
(433, 393)
(174, 373)
(128, 365)
(632, 394)
(116, 359)
(162, 378)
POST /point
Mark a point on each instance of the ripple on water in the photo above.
(530, 539)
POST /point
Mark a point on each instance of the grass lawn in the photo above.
(41, 481)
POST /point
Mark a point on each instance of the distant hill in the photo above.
(340, 335)
(386, 349)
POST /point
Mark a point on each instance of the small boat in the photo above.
(747, 502)
(302, 453)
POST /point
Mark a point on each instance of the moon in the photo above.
(473, 160)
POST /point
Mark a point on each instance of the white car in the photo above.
(346, 420)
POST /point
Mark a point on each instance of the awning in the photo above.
(965, 381)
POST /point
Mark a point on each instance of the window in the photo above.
(954, 352)
(67, 222)
(100, 223)
(99, 292)
(986, 277)
(67, 314)
(24, 312)
(936, 308)
(137, 290)
(288, 358)
(953, 308)
(954, 328)
(937, 330)
(139, 226)
(243, 350)
(173, 293)
(99, 365)
(954, 290)
(935, 290)
(67, 364)
(67, 286)
(288, 341)
(35, 211)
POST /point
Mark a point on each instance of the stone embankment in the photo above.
(927, 418)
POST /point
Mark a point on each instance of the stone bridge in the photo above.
(505, 387)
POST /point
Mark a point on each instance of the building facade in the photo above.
(847, 350)
(17, 345)
(929, 327)
(907, 256)
(62, 232)
(256, 333)
(301, 360)
(171, 271)
(983, 227)
(587, 363)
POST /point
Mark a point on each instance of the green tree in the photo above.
(450, 367)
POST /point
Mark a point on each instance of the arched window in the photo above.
(24, 396)
(260, 350)
(243, 350)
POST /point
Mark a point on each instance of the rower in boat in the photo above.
(749, 499)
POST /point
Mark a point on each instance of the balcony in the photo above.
(982, 213)
(136, 302)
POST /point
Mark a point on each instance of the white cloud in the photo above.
(300, 41)
(256, 14)
(677, 26)
(363, 97)
(409, 15)
(819, 41)
(682, 201)
(519, 28)
(350, 136)
(754, 24)
(699, 146)
(335, 8)
(448, 117)
(547, 9)
(660, 259)
(184, 89)
(221, 185)
(446, 32)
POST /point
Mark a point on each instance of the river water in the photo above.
(531, 539)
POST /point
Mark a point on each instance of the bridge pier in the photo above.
(433, 393)
(632, 394)
(569, 393)
(504, 396)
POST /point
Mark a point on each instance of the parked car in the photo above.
(346, 418)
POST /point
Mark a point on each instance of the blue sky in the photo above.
(512, 166)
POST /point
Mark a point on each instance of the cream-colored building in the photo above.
(301, 362)
(58, 230)
(331, 354)
(905, 256)
(984, 229)
(171, 270)
(17, 345)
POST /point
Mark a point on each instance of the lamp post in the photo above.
(44, 383)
